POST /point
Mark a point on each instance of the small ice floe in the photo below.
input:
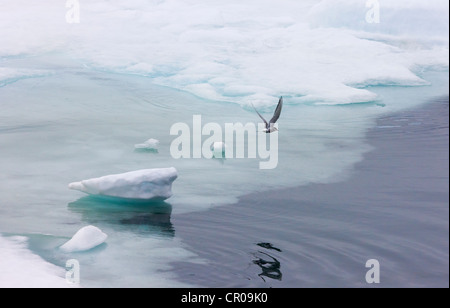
(218, 148)
(151, 145)
(145, 184)
(86, 238)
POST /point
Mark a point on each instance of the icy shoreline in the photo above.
(20, 268)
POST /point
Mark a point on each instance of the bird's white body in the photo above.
(270, 128)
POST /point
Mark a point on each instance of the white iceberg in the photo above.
(150, 144)
(86, 238)
(144, 184)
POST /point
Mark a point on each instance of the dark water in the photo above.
(394, 208)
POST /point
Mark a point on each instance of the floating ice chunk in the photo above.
(150, 144)
(218, 149)
(141, 184)
(86, 238)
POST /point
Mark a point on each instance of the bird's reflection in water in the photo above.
(268, 246)
(134, 215)
(269, 265)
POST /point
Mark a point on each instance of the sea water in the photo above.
(76, 97)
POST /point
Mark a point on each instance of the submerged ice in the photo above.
(144, 184)
(95, 81)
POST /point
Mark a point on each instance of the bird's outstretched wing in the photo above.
(277, 112)
(260, 116)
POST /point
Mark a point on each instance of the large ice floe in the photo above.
(145, 184)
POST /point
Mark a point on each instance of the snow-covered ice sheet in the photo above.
(20, 268)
